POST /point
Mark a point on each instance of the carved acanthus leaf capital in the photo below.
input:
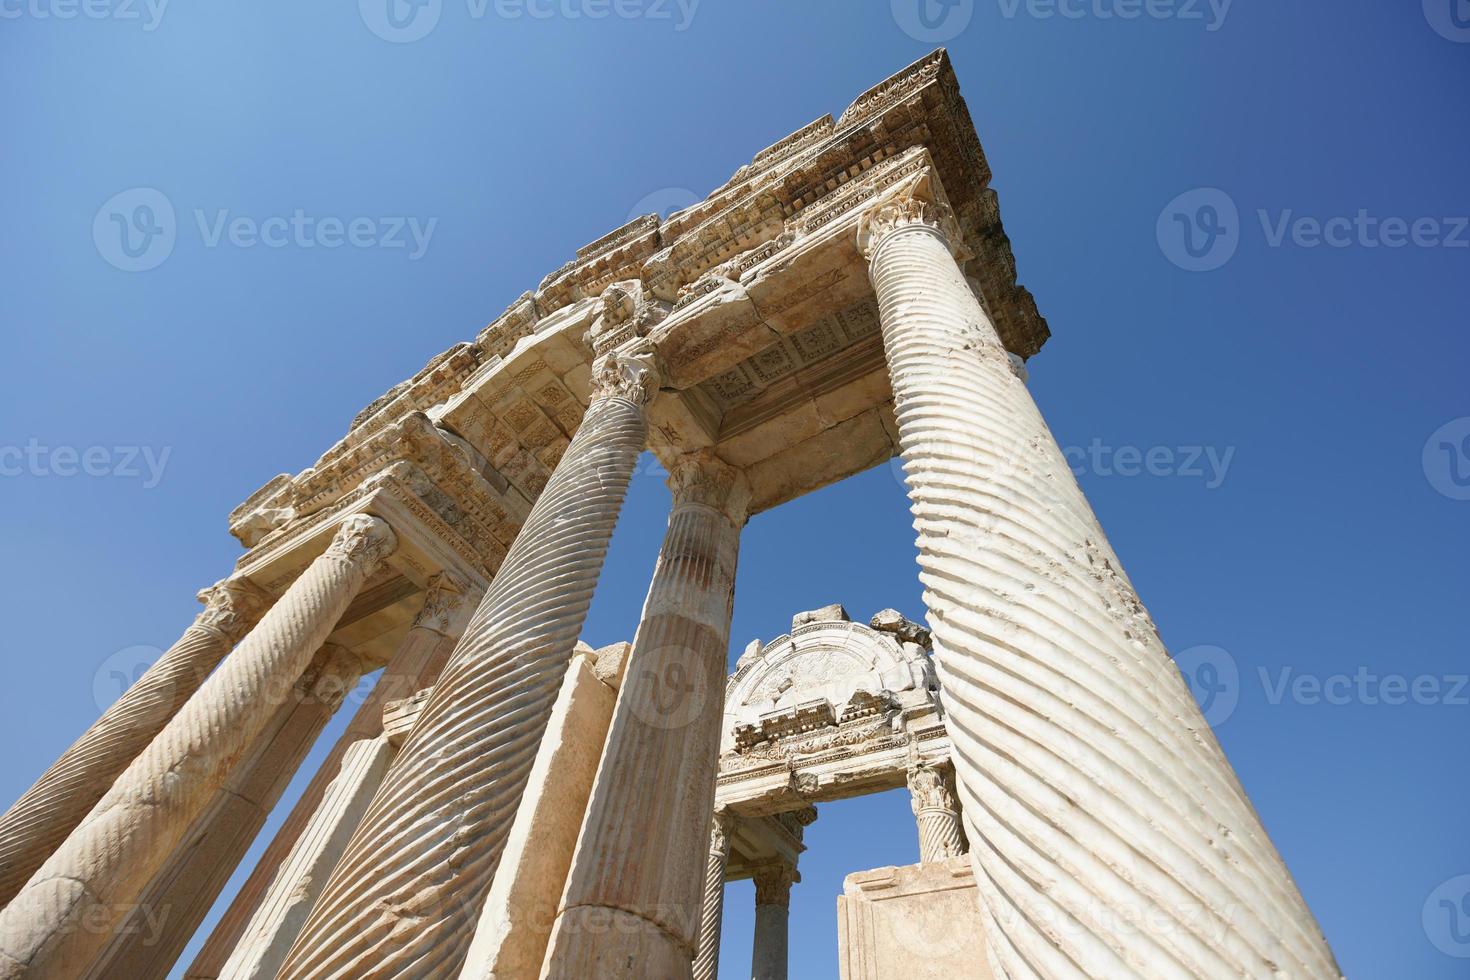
(701, 477)
(444, 601)
(232, 607)
(907, 209)
(363, 538)
(721, 831)
(630, 372)
(773, 883)
(930, 790)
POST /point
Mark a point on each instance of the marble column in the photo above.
(640, 860)
(313, 836)
(68, 910)
(768, 955)
(406, 896)
(167, 914)
(1108, 834)
(937, 813)
(51, 809)
(515, 924)
(711, 916)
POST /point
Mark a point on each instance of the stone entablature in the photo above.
(744, 298)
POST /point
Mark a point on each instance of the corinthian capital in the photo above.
(773, 884)
(721, 831)
(629, 372)
(906, 209)
(232, 607)
(701, 477)
(930, 789)
(363, 538)
(444, 599)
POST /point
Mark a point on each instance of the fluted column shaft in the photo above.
(936, 812)
(37, 823)
(406, 895)
(276, 919)
(712, 914)
(184, 890)
(69, 908)
(769, 950)
(640, 859)
(1108, 834)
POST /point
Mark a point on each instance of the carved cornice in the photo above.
(363, 539)
(232, 607)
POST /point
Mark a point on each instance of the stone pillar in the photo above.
(274, 922)
(515, 924)
(640, 860)
(1091, 785)
(167, 914)
(937, 813)
(707, 958)
(51, 809)
(406, 896)
(66, 913)
(772, 915)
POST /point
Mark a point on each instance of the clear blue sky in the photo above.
(1318, 542)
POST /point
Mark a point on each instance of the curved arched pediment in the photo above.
(820, 673)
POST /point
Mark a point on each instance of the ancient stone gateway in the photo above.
(511, 804)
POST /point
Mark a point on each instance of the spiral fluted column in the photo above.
(254, 934)
(40, 820)
(1109, 836)
(712, 914)
(406, 895)
(66, 913)
(937, 814)
(640, 859)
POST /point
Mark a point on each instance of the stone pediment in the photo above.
(827, 672)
